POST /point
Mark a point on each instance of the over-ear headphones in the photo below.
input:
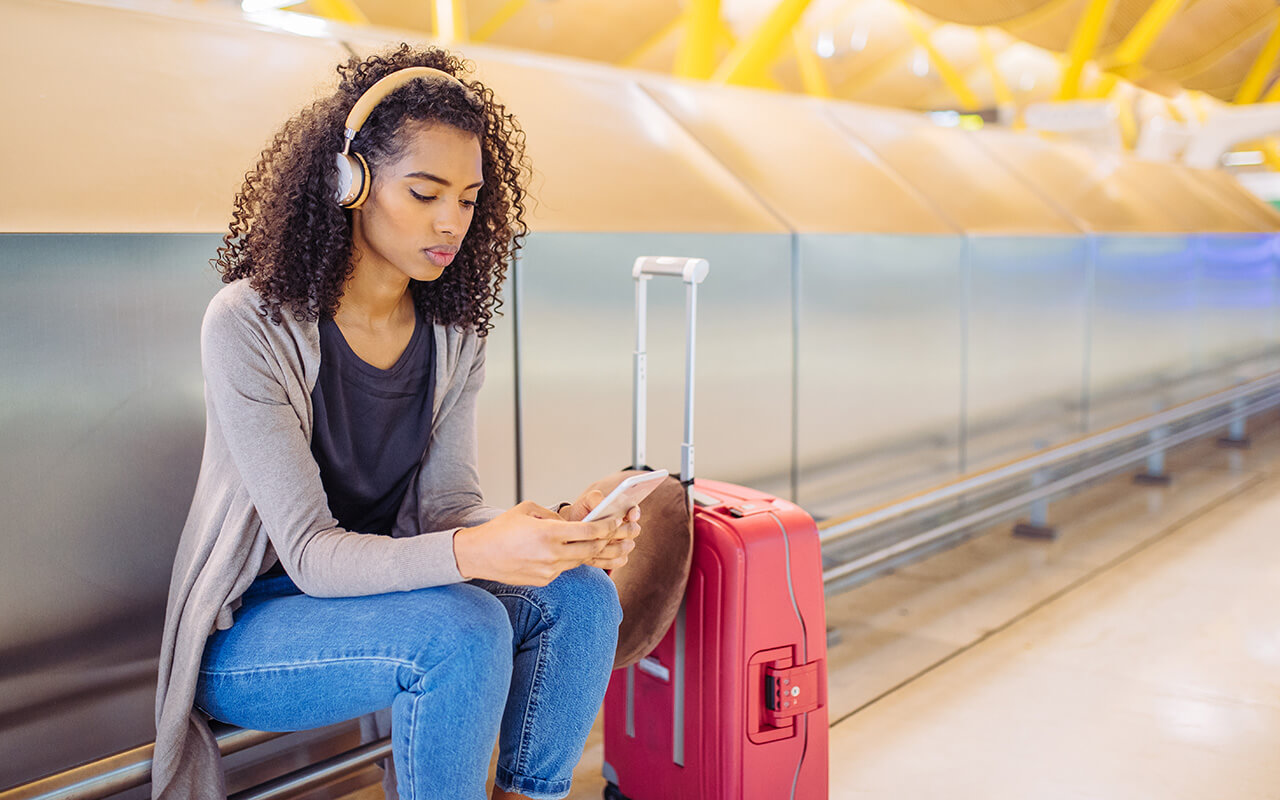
(354, 178)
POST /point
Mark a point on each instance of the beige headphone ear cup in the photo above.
(353, 180)
(366, 181)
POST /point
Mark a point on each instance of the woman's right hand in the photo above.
(529, 545)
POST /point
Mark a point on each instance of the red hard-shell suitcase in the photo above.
(731, 704)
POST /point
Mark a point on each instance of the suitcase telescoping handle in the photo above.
(692, 271)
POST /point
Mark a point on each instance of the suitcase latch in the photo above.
(789, 691)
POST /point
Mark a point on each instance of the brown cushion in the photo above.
(651, 585)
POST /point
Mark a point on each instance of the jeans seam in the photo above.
(310, 663)
(531, 707)
(413, 725)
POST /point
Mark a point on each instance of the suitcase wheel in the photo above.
(611, 792)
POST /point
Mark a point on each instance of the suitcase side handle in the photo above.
(692, 271)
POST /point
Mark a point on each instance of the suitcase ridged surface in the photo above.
(754, 594)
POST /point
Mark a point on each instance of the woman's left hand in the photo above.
(614, 554)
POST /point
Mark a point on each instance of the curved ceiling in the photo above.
(873, 50)
(1207, 45)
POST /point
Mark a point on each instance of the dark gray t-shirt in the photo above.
(371, 426)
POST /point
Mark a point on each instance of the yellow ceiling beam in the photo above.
(949, 74)
(652, 43)
(501, 17)
(1254, 81)
(1083, 43)
(1104, 86)
(724, 35)
(340, 11)
(1128, 121)
(450, 20)
(1138, 42)
(1197, 106)
(1003, 95)
(811, 74)
(1271, 153)
(697, 55)
(748, 63)
(873, 71)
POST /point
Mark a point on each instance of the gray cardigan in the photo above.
(259, 498)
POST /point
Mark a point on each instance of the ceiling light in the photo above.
(920, 62)
(1242, 158)
(301, 24)
(252, 6)
(826, 46)
(858, 40)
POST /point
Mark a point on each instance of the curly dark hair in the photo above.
(293, 242)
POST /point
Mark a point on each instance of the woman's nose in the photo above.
(449, 220)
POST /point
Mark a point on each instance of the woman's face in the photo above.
(421, 205)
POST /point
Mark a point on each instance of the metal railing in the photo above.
(315, 775)
(130, 769)
(119, 772)
(1226, 409)
(1151, 436)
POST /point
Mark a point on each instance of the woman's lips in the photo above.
(441, 258)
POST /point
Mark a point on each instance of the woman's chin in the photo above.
(426, 274)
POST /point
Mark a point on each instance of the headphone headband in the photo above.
(354, 181)
(386, 85)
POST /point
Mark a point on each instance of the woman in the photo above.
(338, 558)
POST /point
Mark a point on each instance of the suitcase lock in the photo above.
(789, 691)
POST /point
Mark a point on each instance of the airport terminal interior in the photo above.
(988, 299)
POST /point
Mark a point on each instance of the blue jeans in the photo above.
(458, 665)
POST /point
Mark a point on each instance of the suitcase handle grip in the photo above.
(692, 271)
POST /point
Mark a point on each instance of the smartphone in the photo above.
(627, 494)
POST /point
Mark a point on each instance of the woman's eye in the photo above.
(470, 203)
(417, 196)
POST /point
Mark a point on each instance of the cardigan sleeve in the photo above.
(449, 494)
(249, 408)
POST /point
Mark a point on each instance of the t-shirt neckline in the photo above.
(365, 367)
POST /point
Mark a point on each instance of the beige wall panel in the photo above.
(799, 161)
(1098, 192)
(1240, 200)
(138, 122)
(601, 30)
(606, 156)
(960, 178)
(1183, 194)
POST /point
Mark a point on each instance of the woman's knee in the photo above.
(588, 594)
(477, 635)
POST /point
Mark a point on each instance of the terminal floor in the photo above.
(1137, 656)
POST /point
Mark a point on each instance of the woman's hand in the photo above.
(615, 553)
(530, 546)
